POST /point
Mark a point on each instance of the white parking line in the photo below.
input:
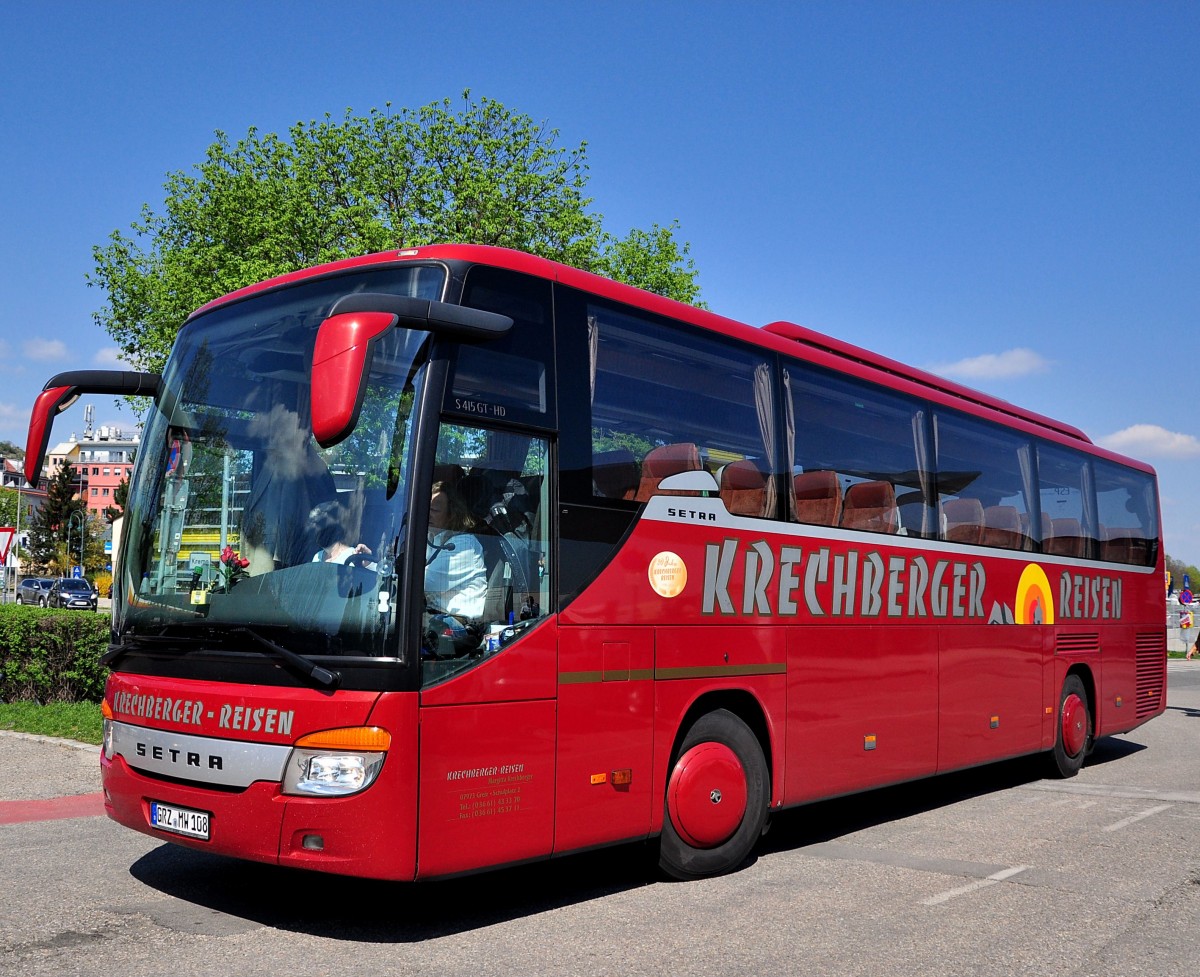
(1126, 822)
(1000, 876)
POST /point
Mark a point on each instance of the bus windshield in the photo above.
(244, 521)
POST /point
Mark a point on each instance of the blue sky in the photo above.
(1005, 192)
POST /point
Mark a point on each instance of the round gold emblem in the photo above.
(668, 575)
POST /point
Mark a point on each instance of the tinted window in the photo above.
(1127, 514)
(1067, 517)
(666, 400)
(985, 480)
(506, 379)
(859, 458)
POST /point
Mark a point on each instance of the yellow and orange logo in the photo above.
(1035, 599)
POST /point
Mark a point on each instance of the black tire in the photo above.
(1075, 729)
(720, 761)
(43, 602)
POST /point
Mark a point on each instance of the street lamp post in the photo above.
(82, 534)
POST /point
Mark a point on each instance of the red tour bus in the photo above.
(451, 558)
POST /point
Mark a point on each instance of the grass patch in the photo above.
(70, 720)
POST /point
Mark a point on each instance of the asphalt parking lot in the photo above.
(990, 871)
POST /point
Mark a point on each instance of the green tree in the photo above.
(11, 451)
(1177, 569)
(120, 500)
(8, 507)
(329, 189)
(653, 260)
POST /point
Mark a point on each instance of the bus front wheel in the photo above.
(717, 799)
(1073, 739)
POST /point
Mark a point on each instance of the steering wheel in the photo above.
(359, 560)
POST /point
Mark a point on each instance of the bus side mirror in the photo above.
(62, 391)
(340, 368)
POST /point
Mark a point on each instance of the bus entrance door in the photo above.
(487, 760)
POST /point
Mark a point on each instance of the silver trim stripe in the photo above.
(202, 759)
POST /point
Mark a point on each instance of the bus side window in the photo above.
(670, 400)
(1127, 511)
(1064, 479)
(858, 455)
(985, 482)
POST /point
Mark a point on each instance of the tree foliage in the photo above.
(9, 501)
(1177, 568)
(11, 451)
(266, 205)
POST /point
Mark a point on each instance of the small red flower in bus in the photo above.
(232, 569)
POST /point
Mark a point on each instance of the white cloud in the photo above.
(14, 421)
(995, 366)
(45, 349)
(110, 357)
(1151, 441)
(12, 414)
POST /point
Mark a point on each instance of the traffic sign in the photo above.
(1185, 596)
(1185, 619)
(76, 571)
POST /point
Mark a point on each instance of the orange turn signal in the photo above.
(351, 738)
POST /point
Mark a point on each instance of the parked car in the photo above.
(72, 592)
(34, 590)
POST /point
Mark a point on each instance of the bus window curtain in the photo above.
(789, 441)
(1026, 458)
(925, 473)
(764, 404)
(593, 328)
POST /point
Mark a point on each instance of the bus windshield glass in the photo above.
(244, 521)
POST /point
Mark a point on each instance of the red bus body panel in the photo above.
(370, 834)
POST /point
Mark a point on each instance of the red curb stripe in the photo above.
(52, 808)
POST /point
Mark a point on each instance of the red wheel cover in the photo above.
(1074, 725)
(706, 796)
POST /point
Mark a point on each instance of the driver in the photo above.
(327, 524)
(455, 576)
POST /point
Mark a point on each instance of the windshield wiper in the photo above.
(128, 642)
(306, 666)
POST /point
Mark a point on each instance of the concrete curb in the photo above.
(50, 740)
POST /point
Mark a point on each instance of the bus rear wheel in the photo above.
(1073, 740)
(717, 799)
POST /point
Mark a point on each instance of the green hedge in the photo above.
(51, 655)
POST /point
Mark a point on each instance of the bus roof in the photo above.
(781, 336)
(814, 340)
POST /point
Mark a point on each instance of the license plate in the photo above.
(179, 820)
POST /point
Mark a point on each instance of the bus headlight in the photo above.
(336, 762)
(107, 743)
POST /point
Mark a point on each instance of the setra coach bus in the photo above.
(512, 561)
